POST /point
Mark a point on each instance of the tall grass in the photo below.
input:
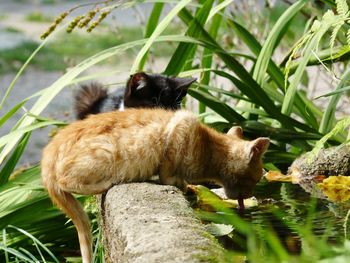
(266, 101)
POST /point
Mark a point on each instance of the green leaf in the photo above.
(11, 163)
(268, 47)
(336, 91)
(218, 230)
(331, 3)
(30, 255)
(339, 53)
(25, 204)
(16, 253)
(151, 26)
(207, 57)
(342, 7)
(19, 132)
(185, 51)
(273, 241)
(291, 91)
(225, 92)
(334, 35)
(221, 6)
(278, 134)
(339, 127)
(245, 36)
(328, 119)
(255, 93)
(37, 241)
(157, 31)
(250, 85)
(216, 105)
(11, 112)
(303, 106)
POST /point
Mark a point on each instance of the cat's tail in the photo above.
(88, 99)
(73, 209)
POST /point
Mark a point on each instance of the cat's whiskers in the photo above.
(159, 95)
(178, 97)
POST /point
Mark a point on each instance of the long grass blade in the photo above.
(216, 105)
(225, 92)
(268, 47)
(303, 106)
(16, 253)
(219, 8)
(291, 91)
(207, 57)
(157, 31)
(151, 26)
(39, 251)
(186, 51)
(328, 119)
(19, 132)
(4, 241)
(36, 241)
(335, 92)
(11, 163)
(251, 85)
(278, 248)
(11, 112)
(26, 252)
(278, 134)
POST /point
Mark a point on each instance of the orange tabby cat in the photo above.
(90, 156)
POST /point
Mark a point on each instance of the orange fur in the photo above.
(90, 156)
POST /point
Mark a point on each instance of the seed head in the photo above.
(53, 26)
(73, 24)
(98, 21)
(88, 18)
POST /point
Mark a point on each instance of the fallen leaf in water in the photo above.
(219, 230)
(220, 192)
(336, 188)
(207, 200)
(276, 176)
(249, 202)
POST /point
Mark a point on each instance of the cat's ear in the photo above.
(183, 83)
(136, 82)
(258, 147)
(236, 131)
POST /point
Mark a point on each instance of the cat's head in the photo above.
(244, 167)
(154, 90)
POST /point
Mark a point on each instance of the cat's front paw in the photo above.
(182, 184)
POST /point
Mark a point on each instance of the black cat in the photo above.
(142, 90)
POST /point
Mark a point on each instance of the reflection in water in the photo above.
(292, 214)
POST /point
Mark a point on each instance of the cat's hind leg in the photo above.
(77, 186)
(86, 177)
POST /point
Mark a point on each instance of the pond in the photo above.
(288, 212)
(296, 207)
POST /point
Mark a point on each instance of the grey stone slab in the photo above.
(145, 222)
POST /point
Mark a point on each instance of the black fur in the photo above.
(142, 90)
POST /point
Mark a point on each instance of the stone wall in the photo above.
(144, 222)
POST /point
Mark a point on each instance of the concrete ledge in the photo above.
(144, 222)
